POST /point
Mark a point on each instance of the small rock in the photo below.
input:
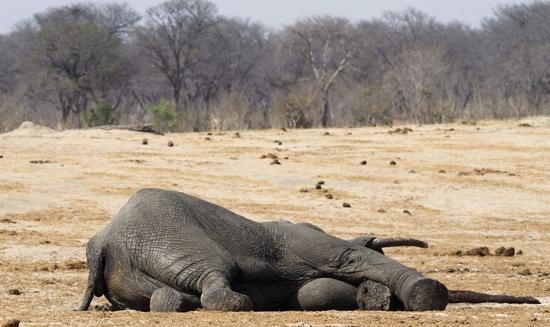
(145, 141)
(7, 221)
(364, 163)
(412, 171)
(525, 125)
(304, 190)
(275, 162)
(525, 272)
(326, 134)
(407, 212)
(533, 319)
(321, 183)
(170, 143)
(381, 211)
(207, 139)
(14, 291)
(209, 133)
(1, 156)
(450, 270)
(11, 323)
(39, 162)
(393, 163)
(442, 171)
(329, 196)
(284, 129)
(346, 205)
(520, 252)
(237, 135)
(45, 242)
(318, 186)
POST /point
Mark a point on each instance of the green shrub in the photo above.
(104, 114)
(164, 115)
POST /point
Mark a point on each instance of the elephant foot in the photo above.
(167, 299)
(224, 299)
(374, 296)
(425, 294)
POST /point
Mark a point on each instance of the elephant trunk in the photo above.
(417, 292)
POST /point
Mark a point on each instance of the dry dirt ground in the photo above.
(456, 186)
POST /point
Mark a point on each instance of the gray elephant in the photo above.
(168, 251)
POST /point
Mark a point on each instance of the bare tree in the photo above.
(324, 44)
(171, 39)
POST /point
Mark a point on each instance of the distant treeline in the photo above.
(183, 66)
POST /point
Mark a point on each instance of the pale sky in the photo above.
(283, 12)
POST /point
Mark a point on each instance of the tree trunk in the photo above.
(326, 118)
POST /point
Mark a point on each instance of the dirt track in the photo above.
(463, 186)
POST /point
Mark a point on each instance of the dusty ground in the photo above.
(49, 209)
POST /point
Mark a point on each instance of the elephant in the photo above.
(169, 251)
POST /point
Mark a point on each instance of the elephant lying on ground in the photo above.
(168, 251)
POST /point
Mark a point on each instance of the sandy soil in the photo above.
(464, 186)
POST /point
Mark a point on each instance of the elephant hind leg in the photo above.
(218, 295)
(167, 299)
(324, 294)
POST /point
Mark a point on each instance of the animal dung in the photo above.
(144, 141)
(326, 134)
(237, 135)
(11, 323)
(404, 130)
(381, 211)
(505, 252)
(1, 156)
(14, 291)
(393, 163)
(318, 186)
(364, 163)
(275, 162)
(321, 183)
(329, 196)
(269, 156)
(207, 139)
(278, 142)
(407, 212)
(442, 171)
(346, 205)
(39, 162)
(304, 190)
(481, 251)
(170, 143)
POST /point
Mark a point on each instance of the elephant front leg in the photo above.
(218, 295)
(167, 299)
(374, 296)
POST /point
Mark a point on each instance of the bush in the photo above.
(164, 115)
(102, 115)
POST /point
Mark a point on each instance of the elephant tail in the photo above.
(476, 297)
(96, 264)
